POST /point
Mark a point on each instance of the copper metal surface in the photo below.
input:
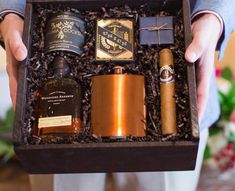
(118, 107)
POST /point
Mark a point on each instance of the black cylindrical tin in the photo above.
(64, 32)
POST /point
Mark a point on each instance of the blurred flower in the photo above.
(232, 117)
(225, 158)
(221, 143)
(217, 142)
(223, 85)
(218, 72)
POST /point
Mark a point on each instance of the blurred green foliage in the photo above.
(6, 145)
(227, 102)
(227, 74)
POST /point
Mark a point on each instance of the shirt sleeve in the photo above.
(13, 6)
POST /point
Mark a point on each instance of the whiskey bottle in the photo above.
(59, 102)
(58, 107)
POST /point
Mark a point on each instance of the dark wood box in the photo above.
(106, 157)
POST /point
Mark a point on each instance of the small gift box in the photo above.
(156, 30)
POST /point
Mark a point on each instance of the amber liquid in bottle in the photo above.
(59, 103)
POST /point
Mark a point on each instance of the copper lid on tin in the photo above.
(118, 107)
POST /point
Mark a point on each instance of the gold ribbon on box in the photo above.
(158, 29)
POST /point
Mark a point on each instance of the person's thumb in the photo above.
(17, 46)
(195, 49)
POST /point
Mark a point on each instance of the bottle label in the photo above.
(56, 99)
(60, 103)
(167, 74)
(64, 31)
(65, 120)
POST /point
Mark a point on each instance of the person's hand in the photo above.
(11, 29)
(205, 31)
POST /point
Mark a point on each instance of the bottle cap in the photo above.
(118, 70)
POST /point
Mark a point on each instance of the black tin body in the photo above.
(64, 32)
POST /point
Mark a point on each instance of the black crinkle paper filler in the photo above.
(83, 67)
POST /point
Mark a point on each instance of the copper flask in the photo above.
(118, 108)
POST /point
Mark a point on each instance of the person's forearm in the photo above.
(14, 6)
(11, 29)
(224, 9)
(201, 13)
(206, 31)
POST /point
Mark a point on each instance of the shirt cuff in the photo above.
(8, 11)
(214, 13)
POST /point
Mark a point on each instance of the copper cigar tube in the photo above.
(167, 92)
(118, 108)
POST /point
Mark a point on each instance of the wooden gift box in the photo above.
(105, 157)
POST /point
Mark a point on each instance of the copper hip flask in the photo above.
(118, 107)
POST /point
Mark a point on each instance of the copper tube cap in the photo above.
(118, 107)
